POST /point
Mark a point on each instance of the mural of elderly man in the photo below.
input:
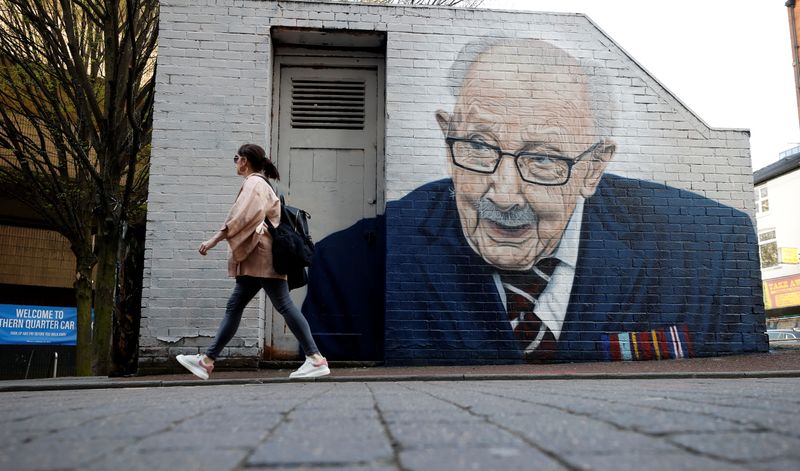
(530, 251)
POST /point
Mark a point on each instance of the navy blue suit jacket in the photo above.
(653, 260)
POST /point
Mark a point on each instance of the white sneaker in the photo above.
(309, 369)
(194, 363)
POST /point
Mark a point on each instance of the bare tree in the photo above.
(76, 94)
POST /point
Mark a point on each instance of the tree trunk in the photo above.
(106, 244)
(125, 345)
(83, 298)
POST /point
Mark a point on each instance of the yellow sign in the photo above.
(789, 255)
(767, 297)
(782, 292)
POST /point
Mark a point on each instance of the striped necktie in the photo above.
(522, 292)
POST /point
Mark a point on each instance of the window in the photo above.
(762, 202)
(768, 248)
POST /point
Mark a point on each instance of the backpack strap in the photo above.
(291, 216)
(270, 227)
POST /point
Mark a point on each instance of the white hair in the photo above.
(600, 96)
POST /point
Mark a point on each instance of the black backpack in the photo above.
(292, 246)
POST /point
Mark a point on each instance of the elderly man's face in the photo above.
(510, 222)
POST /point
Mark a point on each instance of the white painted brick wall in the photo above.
(214, 93)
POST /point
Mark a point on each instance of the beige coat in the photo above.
(250, 245)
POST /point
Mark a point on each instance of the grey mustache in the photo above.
(516, 216)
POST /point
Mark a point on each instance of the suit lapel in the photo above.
(610, 272)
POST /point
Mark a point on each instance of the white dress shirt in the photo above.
(551, 307)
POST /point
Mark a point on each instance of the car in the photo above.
(788, 338)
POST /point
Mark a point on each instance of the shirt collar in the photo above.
(552, 304)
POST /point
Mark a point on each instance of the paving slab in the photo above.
(603, 424)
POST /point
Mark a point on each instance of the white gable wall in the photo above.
(214, 93)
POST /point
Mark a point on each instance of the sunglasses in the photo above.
(237, 157)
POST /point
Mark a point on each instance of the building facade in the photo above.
(779, 236)
(445, 155)
(37, 270)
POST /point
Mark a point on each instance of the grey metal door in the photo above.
(327, 155)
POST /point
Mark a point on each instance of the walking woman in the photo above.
(250, 262)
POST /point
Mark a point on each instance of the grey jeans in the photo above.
(278, 291)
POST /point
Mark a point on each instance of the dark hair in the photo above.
(258, 159)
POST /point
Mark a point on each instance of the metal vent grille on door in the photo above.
(328, 104)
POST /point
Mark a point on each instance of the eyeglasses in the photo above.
(236, 158)
(540, 168)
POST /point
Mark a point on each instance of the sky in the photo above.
(729, 61)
